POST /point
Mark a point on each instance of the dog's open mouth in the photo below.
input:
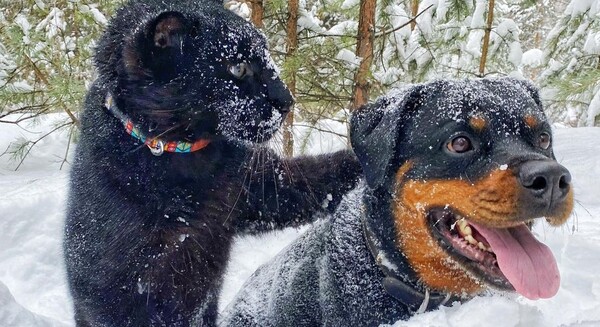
(505, 258)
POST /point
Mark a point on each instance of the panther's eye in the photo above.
(544, 141)
(240, 70)
(460, 144)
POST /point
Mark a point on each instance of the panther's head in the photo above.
(187, 70)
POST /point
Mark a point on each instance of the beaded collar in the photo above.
(156, 146)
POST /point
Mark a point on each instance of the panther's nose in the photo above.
(545, 182)
(279, 95)
(286, 109)
(281, 99)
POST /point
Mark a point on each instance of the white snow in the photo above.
(349, 57)
(98, 16)
(593, 109)
(53, 23)
(592, 44)
(515, 55)
(350, 3)
(308, 20)
(23, 23)
(347, 27)
(532, 58)
(581, 6)
(95, 13)
(33, 289)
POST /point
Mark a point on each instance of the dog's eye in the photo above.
(544, 141)
(240, 70)
(460, 144)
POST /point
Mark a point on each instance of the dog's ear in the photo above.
(374, 131)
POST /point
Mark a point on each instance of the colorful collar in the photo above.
(156, 146)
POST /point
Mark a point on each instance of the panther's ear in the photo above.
(374, 132)
(167, 30)
(160, 48)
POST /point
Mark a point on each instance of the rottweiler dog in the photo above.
(456, 172)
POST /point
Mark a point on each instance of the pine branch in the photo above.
(31, 144)
(412, 20)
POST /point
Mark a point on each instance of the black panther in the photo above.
(171, 165)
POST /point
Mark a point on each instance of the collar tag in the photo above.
(157, 147)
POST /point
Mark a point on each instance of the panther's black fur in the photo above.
(147, 238)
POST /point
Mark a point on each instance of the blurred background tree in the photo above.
(570, 74)
(45, 61)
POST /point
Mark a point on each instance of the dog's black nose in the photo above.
(546, 182)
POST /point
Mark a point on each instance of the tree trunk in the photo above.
(486, 38)
(414, 7)
(258, 12)
(534, 72)
(292, 46)
(364, 50)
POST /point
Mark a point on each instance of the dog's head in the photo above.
(469, 166)
(191, 69)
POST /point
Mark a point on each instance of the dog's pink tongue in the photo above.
(527, 263)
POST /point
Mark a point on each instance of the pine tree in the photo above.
(45, 60)
(291, 48)
(364, 50)
(448, 41)
(571, 78)
(532, 17)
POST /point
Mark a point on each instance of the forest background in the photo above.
(335, 55)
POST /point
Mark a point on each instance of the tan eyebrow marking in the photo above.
(531, 121)
(478, 123)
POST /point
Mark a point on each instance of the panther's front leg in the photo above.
(289, 192)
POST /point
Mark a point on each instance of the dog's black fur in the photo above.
(330, 277)
(147, 238)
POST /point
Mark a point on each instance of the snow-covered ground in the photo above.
(33, 289)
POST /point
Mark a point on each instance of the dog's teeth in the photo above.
(471, 239)
(468, 230)
(482, 246)
(464, 227)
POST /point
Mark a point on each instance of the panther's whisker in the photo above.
(262, 173)
(310, 190)
(285, 163)
(275, 179)
(247, 175)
